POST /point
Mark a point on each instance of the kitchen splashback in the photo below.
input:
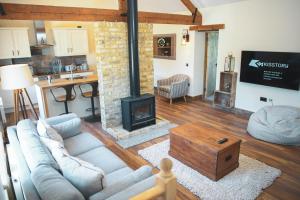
(43, 64)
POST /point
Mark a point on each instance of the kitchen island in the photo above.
(48, 107)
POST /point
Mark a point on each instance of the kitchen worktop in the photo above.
(62, 73)
(49, 107)
(61, 82)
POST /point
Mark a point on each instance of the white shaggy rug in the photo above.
(244, 183)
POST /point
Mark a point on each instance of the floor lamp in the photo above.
(18, 78)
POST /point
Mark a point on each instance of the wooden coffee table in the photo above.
(212, 152)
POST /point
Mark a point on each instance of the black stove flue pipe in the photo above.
(132, 21)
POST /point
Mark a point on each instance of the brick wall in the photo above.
(113, 69)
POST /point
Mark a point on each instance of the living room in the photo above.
(140, 121)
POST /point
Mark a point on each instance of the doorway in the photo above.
(211, 60)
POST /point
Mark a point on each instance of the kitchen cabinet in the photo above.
(70, 42)
(14, 43)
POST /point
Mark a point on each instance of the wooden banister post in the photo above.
(166, 179)
(165, 187)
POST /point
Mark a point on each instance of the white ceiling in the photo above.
(166, 6)
(209, 3)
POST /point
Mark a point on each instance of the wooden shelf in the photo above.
(225, 97)
(163, 47)
(165, 52)
(223, 92)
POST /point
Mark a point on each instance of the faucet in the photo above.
(72, 73)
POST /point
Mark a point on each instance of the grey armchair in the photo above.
(173, 87)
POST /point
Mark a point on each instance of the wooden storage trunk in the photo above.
(197, 146)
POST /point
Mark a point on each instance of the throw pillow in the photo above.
(45, 130)
(87, 178)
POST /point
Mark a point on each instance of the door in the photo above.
(211, 66)
(7, 44)
(21, 41)
(79, 42)
(63, 42)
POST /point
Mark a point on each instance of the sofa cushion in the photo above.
(34, 151)
(81, 143)
(103, 158)
(51, 185)
(115, 176)
(68, 128)
(45, 130)
(87, 178)
(125, 182)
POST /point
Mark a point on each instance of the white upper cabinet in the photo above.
(22, 46)
(14, 43)
(70, 42)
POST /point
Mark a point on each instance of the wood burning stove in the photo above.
(137, 110)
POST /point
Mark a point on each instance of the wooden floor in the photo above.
(286, 187)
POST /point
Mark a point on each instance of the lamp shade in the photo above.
(15, 77)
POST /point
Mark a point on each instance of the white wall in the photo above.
(268, 25)
(185, 54)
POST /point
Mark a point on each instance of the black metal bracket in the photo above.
(123, 14)
(195, 15)
(2, 11)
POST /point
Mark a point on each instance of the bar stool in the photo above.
(91, 94)
(69, 96)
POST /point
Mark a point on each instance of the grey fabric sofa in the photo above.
(39, 178)
(174, 87)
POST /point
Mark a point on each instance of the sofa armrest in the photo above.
(20, 171)
(68, 127)
(179, 89)
(61, 118)
(134, 189)
(131, 179)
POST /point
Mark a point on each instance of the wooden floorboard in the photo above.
(287, 159)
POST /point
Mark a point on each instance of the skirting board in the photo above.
(194, 98)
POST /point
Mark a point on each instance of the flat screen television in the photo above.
(276, 69)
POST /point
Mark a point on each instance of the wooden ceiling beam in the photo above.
(194, 10)
(123, 6)
(212, 27)
(55, 13)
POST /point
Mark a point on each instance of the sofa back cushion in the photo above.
(34, 151)
(68, 128)
(52, 185)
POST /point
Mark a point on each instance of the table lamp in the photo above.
(17, 78)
